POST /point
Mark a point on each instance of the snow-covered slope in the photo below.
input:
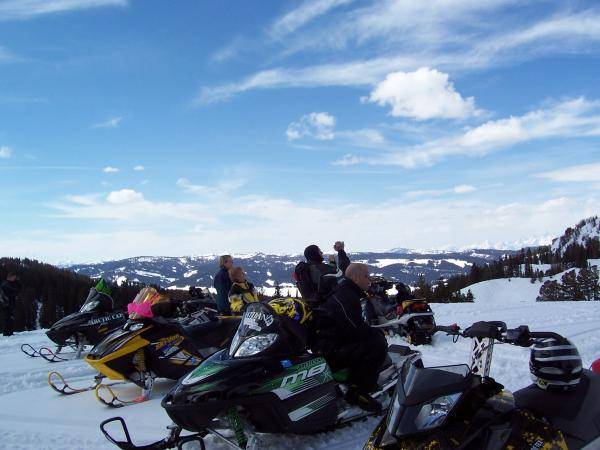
(34, 417)
(584, 230)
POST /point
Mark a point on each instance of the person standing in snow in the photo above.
(222, 283)
(9, 291)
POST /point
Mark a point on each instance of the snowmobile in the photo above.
(265, 382)
(462, 407)
(409, 317)
(95, 319)
(153, 343)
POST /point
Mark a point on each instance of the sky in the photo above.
(145, 127)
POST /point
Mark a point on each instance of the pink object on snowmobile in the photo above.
(141, 309)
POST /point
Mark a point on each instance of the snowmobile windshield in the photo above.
(257, 331)
(97, 301)
(425, 398)
(141, 306)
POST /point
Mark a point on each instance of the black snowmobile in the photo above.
(162, 344)
(407, 316)
(462, 407)
(266, 382)
(95, 319)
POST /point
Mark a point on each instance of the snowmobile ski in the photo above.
(106, 395)
(61, 386)
(173, 440)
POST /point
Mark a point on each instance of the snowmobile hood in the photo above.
(105, 356)
(118, 340)
(64, 328)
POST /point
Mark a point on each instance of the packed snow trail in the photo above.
(32, 416)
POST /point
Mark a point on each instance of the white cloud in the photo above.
(110, 169)
(5, 152)
(27, 9)
(464, 189)
(566, 119)
(423, 94)
(300, 16)
(435, 33)
(139, 168)
(113, 122)
(348, 160)
(123, 196)
(244, 223)
(234, 180)
(579, 173)
(457, 190)
(318, 125)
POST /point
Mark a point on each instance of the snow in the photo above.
(35, 417)
(120, 280)
(541, 267)
(459, 262)
(190, 273)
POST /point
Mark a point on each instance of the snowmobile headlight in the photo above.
(433, 414)
(136, 326)
(255, 344)
(90, 306)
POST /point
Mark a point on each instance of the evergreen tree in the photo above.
(569, 287)
(587, 279)
(549, 292)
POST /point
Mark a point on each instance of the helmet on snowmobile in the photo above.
(404, 292)
(555, 364)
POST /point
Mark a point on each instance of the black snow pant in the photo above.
(363, 360)
(8, 318)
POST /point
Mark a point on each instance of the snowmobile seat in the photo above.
(210, 333)
(574, 412)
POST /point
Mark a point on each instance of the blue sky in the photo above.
(132, 127)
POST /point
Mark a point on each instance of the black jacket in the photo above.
(222, 283)
(342, 260)
(342, 320)
(10, 290)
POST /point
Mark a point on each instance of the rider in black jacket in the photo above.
(347, 341)
(309, 274)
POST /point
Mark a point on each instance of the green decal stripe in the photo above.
(310, 408)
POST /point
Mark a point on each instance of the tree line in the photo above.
(49, 293)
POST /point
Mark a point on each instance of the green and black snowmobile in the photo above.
(265, 382)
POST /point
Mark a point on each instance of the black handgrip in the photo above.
(492, 330)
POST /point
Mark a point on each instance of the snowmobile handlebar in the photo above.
(520, 336)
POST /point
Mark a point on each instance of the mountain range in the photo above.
(267, 270)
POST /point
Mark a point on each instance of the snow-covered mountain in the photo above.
(586, 229)
(266, 270)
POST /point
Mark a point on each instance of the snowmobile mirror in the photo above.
(190, 443)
